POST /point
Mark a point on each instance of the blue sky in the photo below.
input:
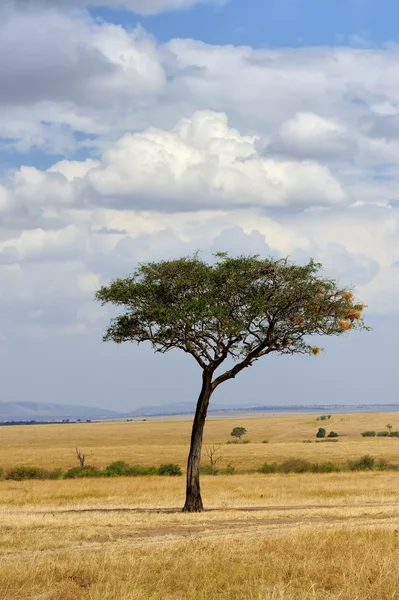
(273, 23)
(254, 127)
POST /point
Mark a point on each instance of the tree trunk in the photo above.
(193, 492)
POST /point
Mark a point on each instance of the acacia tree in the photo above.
(237, 309)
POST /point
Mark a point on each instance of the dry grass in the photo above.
(156, 442)
(275, 537)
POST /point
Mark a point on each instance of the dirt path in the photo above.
(216, 530)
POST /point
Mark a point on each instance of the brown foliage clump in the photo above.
(344, 325)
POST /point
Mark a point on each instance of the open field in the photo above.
(156, 442)
(264, 537)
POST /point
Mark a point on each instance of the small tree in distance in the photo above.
(238, 432)
(321, 433)
(235, 309)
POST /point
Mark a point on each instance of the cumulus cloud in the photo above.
(283, 152)
(309, 135)
(203, 162)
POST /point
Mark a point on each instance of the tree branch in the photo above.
(260, 350)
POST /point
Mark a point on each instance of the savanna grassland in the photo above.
(263, 537)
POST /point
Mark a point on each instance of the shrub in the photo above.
(383, 434)
(268, 468)
(246, 441)
(365, 463)
(369, 434)
(232, 442)
(382, 464)
(229, 470)
(321, 433)
(327, 440)
(172, 470)
(136, 470)
(56, 474)
(333, 434)
(307, 441)
(22, 473)
(394, 434)
(120, 468)
(81, 472)
(116, 469)
(326, 467)
(265, 442)
(295, 465)
(209, 470)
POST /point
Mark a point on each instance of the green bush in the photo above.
(326, 467)
(295, 465)
(119, 468)
(229, 470)
(327, 441)
(172, 470)
(268, 468)
(23, 473)
(369, 434)
(246, 442)
(265, 442)
(209, 470)
(394, 434)
(365, 463)
(321, 433)
(232, 442)
(383, 434)
(83, 472)
(333, 434)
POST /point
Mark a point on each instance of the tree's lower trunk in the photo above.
(193, 492)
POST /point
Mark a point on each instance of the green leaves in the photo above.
(243, 307)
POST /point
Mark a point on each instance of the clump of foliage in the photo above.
(170, 469)
(22, 473)
(369, 434)
(365, 463)
(120, 468)
(265, 441)
(268, 468)
(83, 472)
(321, 433)
(238, 432)
(326, 467)
(295, 465)
(228, 470)
(333, 434)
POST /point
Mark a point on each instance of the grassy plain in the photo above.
(264, 537)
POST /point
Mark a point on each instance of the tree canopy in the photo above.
(244, 307)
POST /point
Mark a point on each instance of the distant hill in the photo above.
(40, 411)
(188, 408)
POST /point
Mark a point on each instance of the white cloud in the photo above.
(308, 135)
(203, 162)
(194, 146)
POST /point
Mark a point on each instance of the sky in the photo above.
(136, 130)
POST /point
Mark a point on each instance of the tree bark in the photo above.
(193, 491)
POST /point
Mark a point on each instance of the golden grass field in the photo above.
(263, 537)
